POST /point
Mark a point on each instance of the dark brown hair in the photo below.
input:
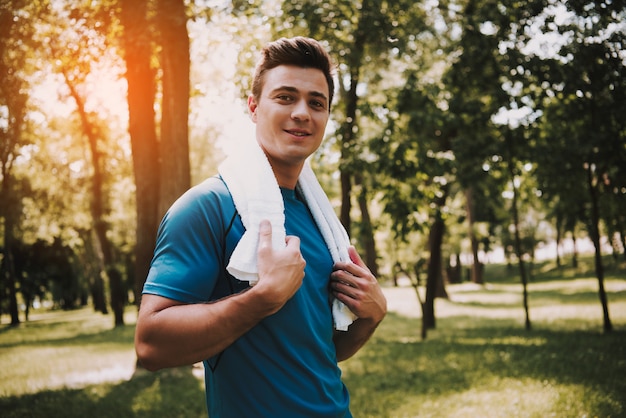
(298, 51)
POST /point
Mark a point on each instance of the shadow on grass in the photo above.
(458, 358)
(65, 332)
(168, 393)
(547, 270)
(539, 298)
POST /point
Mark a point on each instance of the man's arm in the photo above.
(355, 285)
(171, 334)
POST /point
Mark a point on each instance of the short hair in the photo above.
(298, 51)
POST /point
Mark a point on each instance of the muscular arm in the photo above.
(355, 285)
(171, 334)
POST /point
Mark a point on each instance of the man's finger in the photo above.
(293, 242)
(355, 257)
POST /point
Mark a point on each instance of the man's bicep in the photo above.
(187, 260)
(151, 304)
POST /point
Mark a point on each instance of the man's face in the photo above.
(290, 114)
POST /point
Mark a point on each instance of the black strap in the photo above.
(230, 226)
(228, 278)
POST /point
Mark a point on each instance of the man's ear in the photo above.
(252, 106)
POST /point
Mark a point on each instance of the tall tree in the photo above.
(363, 37)
(174, 141)
(14, 35)
(415, 155)
(161, 163)
(512, 169)
(74, 53)
(137, 43)
(477, 81)
(584, 104)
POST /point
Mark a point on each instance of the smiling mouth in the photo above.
(297, 133)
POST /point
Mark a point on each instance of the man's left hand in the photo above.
(355, 285)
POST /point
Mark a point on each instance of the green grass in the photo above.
(75, 364)
(478, 362)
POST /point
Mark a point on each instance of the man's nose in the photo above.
(301, 111)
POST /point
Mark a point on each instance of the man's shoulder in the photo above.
(211, 188)
(211, 194)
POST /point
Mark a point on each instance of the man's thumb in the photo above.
(265, 234)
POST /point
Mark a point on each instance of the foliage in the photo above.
(435, 98)
(44, 268)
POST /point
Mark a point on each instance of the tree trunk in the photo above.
(476, 275)
(7, 267)
(8, 271)
(99, 204)
(574, 251)
(174, 145)
(558, 241)
(347, 149)
(435, 238)
(348, 128)
(14, 104)
(518, 248)
(97, 270)
(595, 236)
(141, 80)
(367, 231)
(345, 179)
(92, 269)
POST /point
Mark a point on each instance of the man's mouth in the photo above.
(297, 133)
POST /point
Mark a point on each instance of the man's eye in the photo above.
(284, 97)
(318, 104)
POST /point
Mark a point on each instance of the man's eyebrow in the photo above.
(319, 94)
(292, 89)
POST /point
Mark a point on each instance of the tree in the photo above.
(415, 156)
(517, 240)
(80, 48)
(174, 140)
(363, 37)
(13, 109)
(478, 82)
(43, 267)
(137, 42)
(584, 106)
(161, 164)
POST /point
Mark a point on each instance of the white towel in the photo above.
(256, 194)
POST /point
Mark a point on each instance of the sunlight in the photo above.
(46, 94)
(216, 101)
(105, 91)
(548, 44)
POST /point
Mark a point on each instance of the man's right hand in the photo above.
(280, 271)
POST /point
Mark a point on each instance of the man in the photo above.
(269, 350)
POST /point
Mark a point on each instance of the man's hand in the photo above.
(355, 285)
(280, 271)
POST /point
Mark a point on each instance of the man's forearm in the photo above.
(347, 343)
(170, 334)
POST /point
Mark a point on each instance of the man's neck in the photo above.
(287, 175)
(287, 179)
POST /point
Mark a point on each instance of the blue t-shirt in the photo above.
(286, 366)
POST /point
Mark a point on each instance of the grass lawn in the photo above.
(478, 362)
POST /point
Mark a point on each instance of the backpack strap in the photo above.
(228, 278)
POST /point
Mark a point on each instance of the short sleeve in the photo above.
(188, 257)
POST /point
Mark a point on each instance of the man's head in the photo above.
(298, 52)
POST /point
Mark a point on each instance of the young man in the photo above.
(269, 350)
